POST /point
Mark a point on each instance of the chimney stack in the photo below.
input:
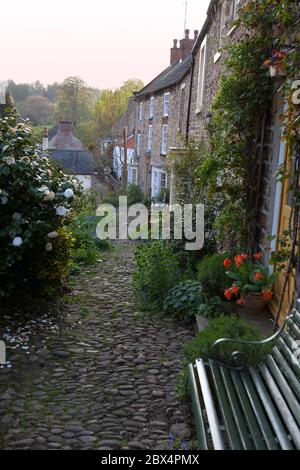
(45, 140)
(186, 45)
(175, 57)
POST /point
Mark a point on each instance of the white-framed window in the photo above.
(164, 140)
(141, 111)
(163, 180)
(166, 104)
(181, 107)
(151, 107)
(138, 144)
(201, 77)
(228, 13)
(223, 22)
(150, 138)
(134, 176)
(158, 181)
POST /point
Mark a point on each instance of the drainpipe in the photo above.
(187, 133)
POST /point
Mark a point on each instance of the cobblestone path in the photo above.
(105, 379)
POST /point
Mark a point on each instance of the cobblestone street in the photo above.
(106, 383)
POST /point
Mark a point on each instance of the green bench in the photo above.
(250, 409)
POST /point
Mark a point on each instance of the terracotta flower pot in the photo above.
(255, 304)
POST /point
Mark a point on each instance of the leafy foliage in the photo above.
(132, 191)
(226, 327)
(211, 308)
(184, 299)
(157, 272)
(35, 200)
(212, 276)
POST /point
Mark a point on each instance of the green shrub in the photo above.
(211, 308)
(211, 275)
(226, 327)
(157, 272)
(86, 244)
(184, 300)
(36, 199)
(132, 191)
(164, 196)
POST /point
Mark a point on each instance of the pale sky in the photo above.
(104, 42)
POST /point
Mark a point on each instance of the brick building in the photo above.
(161, 114)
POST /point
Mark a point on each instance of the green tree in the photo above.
(37, 109)
(74, 100)
(112, 104)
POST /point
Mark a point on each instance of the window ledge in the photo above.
(199, 110)
(217, 57)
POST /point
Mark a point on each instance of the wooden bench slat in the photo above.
(249, 412)
(260, 406)
(210, 407)
(297, 317)
(236, 410)
(261, 416)
(285, 389)
(287, 371)
(226, 411)
(294, 329)
(281, 405)
(201, 433)
(289, 356)
(275, 420)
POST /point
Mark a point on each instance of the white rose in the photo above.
(17, 241)
(69, 193)
(49, 195)
(62, 211)
(9, 160)
(52, 235)
(4, 200)
(49, 246)
(17, 216)
(43, 189)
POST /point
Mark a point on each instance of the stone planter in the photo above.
(255, 304)
(229, 308)
(202, 322)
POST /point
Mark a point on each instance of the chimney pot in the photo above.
(175, 43)
(187, 34)
(196, 32)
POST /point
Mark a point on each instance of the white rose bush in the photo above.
(35, 202)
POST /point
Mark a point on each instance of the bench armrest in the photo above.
(235, 355)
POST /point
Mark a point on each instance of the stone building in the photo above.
(66, 149)
(161, 115)
(206, 70)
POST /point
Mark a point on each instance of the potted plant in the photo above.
(252, 282)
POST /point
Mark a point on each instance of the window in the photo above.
(163, 180)
(138, 145)
(201, 79)
(151, 109)
(141, 112)
(134, 176)
(223, 15)
(166, 104)
(228, 13)
(181, 107)
(150, 137)
(164, 140)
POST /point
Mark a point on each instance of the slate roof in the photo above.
(77, 162)
(170, 77)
